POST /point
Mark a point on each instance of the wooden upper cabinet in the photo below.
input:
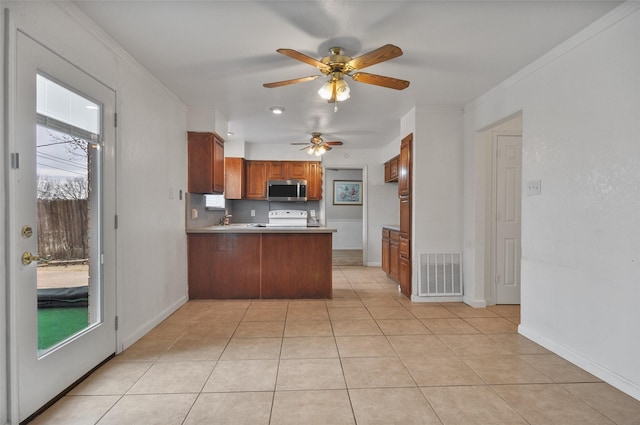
(297, 170)
(314, 181)
(391, 169)
(287, 170)
(277, 170)
(404, 166)
(206, 162)
(259, 172)
(234, 178)
(256, 179)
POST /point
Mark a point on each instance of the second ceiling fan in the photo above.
(337, 65)
(317, 145)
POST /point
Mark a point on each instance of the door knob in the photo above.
(28, 258)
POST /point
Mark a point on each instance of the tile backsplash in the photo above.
(241, 210)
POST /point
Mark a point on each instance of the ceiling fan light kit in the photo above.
(337, 65)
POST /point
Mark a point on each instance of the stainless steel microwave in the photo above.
(287, 190)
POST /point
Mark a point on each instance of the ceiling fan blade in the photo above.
(334, 143)
(294, 54)
(380, 80)
(381, 54)
(327, 148)
(287, 82)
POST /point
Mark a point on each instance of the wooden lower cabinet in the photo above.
(396, 258)
(259, 265)
(405, 276)
(385, 250)
(296, 265)
(394, 254)
(223, 266)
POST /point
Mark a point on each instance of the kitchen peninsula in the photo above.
(248, 261)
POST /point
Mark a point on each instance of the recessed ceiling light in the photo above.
(277, 110)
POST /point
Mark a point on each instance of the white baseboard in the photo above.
(147, 327)
(474, 303)
(374, 264)
(608, 376)
(424, 299)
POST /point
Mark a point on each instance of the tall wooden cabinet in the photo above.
(405, 194)
(206, 162)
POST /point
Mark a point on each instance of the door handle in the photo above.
(28, 258)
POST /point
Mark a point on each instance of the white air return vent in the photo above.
(440, 274)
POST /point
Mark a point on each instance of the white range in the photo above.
(287, 218)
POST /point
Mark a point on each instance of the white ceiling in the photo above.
(219, 53)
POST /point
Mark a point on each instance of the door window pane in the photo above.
(68, 212)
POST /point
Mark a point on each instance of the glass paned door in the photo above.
(63, 256)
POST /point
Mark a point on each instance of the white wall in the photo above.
(151, 164)
(437, 184)
(581, 236)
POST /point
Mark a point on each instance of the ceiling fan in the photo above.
(336, 65)
(317, 145)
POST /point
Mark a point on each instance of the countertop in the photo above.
(253, 228)
(395, 227)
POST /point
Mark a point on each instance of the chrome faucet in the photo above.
(226, 219)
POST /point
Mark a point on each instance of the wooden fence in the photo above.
(63, 229)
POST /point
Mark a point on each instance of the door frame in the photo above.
(492, 254)
(109, 212)
(365, 199)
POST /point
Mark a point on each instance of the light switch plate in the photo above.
(253, 213)
(534, 187)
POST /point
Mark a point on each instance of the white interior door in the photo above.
(62, 195)
(507, 208)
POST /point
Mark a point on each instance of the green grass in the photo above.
(57, 324)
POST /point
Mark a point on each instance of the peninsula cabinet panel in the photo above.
(296, 265)
(206, 162)
(256, 174)
(223, 266)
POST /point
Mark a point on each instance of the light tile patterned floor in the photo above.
(368, 356)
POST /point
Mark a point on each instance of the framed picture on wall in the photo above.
(347, 192)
